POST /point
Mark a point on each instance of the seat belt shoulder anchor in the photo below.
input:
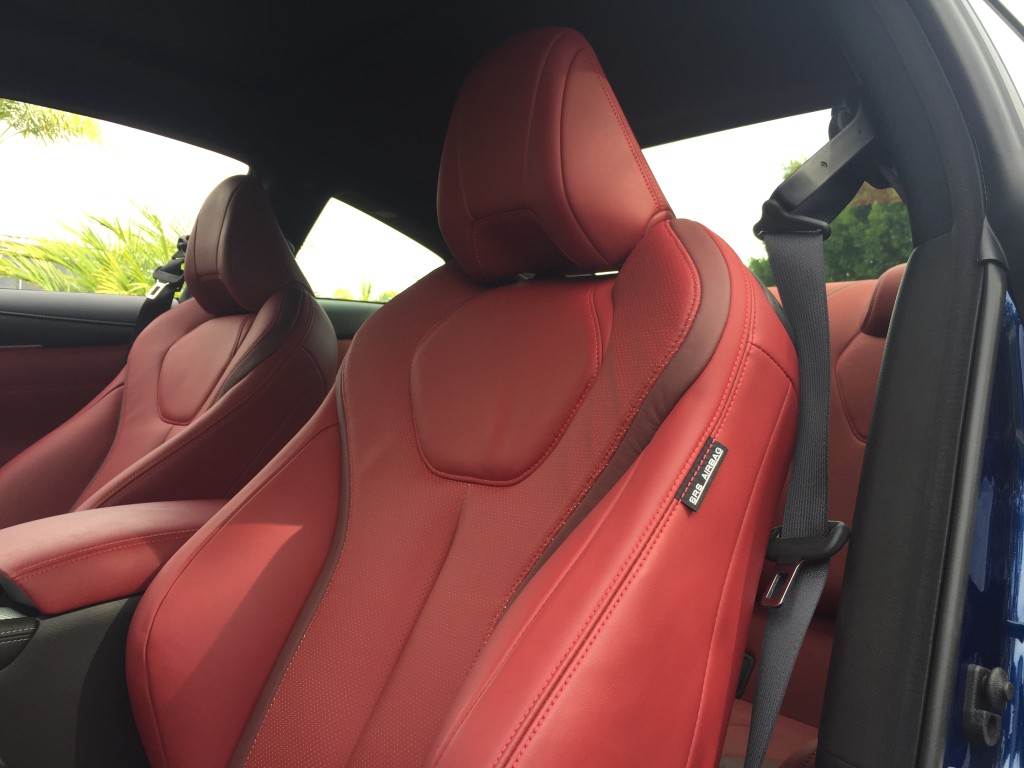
(792, 553)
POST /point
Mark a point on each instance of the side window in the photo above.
(351, 255)
(89, 206)
(723, 178)
(1001, 22)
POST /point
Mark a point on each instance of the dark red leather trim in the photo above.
(61, 563)
(291, 303)
(684, 367)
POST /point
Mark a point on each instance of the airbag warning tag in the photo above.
(691, 493)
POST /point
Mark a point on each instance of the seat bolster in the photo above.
(48, 477)
(585, 667)
(223, 448)
(211, 626)
(65, 562)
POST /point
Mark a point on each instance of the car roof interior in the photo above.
(320, 98)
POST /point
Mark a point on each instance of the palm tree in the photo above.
(101, 256)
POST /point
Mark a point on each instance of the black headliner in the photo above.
(353, 99)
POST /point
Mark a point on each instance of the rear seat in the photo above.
(859, 314)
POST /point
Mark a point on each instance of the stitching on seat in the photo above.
(596, 338)
(663, 525)
(141, 472)
(620, 433)
(214, 529)
(71, 557)
(771, 357)
(732, 384)
(14, 632)
(336, 565)
(745, 344)
(626, 133)
(239, 335)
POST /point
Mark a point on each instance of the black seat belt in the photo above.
(169, 278)
(794, 226)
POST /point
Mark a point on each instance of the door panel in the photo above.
(42, 318)
(57, 351)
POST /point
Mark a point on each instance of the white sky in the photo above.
(720, 180)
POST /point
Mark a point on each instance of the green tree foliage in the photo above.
(870, 235)
(101, 256)
(365, 294)
(43, 124)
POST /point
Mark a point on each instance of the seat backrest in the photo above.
(474, 553)
(212, 389)
(859, 314)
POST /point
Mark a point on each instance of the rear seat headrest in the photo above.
(540, 170)
(237, 257)
(876, 321)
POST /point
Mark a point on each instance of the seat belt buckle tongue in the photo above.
(792, 553)
(156, 289)
(171, 274)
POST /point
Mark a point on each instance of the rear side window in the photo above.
(93, 207)
(351, 255)
(722, 179)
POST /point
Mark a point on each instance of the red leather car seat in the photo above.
(859, 314)
(473, 554)
(212, 389)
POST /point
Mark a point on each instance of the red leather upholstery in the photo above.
(540, 171)
(397, 588)
(204, 400)
(859, 314)
(66, 562)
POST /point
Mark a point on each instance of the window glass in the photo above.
(351, 255)
(1005, 40)
(91, 206)
(722, 179)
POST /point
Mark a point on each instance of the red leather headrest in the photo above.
(876, 321)
(237, 257)
(540, 170)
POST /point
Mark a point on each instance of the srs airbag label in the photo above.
(699, 478)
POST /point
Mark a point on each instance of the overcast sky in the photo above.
(720, 180)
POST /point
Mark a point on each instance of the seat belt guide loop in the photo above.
(792, 553)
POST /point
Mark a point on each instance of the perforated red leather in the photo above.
(357, 604)
(427, 563)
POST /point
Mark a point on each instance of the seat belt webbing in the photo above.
(169, 279)
(797, 262)
(794, 227)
